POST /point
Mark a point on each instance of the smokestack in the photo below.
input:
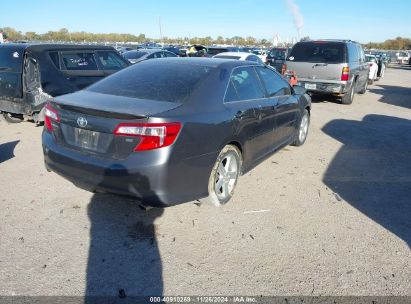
(298, 17)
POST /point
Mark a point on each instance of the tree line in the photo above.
(398, 43)
(64, 34)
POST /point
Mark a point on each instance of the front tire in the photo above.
(303, 129)
(224, 176)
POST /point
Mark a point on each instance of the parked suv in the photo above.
(335, 67)
(32, 73)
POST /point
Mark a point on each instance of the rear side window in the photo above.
(111, 60)
(244, 81)
(11, 60)
(354, 56)
(173, 82)
(79, 61)
(327, 52)
(274, 84)
(227, 57)
(54, 56)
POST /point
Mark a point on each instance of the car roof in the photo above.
(240, 54)
(39, 47)
(208, 62)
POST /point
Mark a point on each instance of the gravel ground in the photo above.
(329, 218)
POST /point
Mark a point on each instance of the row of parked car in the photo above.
(170, 130)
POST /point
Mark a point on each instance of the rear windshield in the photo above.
(134, 55)
(228, 57)
(11, 60)
(215, 51)
(277, 54)
(173, 82)
(370, 58)
(327, 52)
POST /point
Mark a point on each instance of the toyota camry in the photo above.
(174, 130)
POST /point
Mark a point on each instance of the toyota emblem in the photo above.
(82, 122)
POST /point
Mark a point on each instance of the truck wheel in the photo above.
(348, 98)
(12, 118)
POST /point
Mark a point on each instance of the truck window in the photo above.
(79, 61)
(32, 74)
(110, 60)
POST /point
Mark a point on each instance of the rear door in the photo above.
(320, 61)
(11, 66)
(283, 106)
(245, 97)
(80, 68)
(364, 67)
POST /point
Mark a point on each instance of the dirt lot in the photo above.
(330, 218)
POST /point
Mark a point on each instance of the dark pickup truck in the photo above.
(30, 74)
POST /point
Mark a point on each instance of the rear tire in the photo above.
(224, 176)
(348, 98)
(302, 129)
(12, 118)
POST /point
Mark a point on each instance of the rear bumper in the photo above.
(19, 106)
(154, 177)
(340, 87)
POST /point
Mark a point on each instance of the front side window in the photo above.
(245, 83)
(110, 60)
(79, 61)
(274, 84)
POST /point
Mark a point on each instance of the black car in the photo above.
(276, 58)
(145, 54)
(32, 73)
(174, 130)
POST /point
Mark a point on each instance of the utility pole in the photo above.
(161, 32)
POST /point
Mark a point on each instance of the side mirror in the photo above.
(299, 90)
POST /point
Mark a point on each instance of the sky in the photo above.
(360, 20)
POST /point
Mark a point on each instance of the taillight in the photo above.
(50, 114)
(345, 74)
(370, 65)
(153, 135)
(284, 69)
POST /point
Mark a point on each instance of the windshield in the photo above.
(327, 52)
(173, 82)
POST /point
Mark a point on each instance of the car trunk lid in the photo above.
(87, 121)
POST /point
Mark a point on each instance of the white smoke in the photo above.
(298, 17)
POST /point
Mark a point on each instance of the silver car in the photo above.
(335, 67)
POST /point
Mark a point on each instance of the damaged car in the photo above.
(30, 74)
